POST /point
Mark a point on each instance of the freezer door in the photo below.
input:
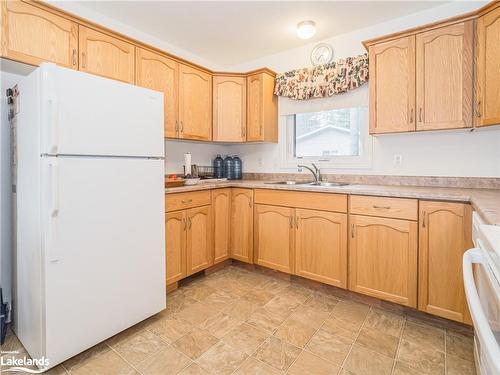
(104, 248)
(83, 114)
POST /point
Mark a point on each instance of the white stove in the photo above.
(481, 269)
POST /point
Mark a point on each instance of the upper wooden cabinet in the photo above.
(160, 73)
(195, 104)
(262, 108)
(488, 69)
(229, 108)
(221, 208)
(444, 77)
(274, 237)
(445, 234)
(33, 35)
(383, 258)
(104, 55)
(242, 224)
(392, 86)
(321, 246)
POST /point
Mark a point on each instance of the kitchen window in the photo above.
(336, 138)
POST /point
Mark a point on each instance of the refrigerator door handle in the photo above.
(54, 182)
(54, 125)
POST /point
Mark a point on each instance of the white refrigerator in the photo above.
(90, 256)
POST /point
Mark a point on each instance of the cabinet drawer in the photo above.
(397, 208)
(180, 201)
(299, 199)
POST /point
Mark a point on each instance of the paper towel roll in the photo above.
(187, 163)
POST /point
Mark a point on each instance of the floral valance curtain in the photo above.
(323, 80)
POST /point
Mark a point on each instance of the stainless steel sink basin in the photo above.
(314, 183)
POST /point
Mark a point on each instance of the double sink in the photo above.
(308, 183)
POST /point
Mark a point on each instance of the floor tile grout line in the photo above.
(399, 344)
(126, 361)
(355, 339)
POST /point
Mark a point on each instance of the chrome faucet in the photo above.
(316, 172)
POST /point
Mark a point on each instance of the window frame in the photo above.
(289, 160)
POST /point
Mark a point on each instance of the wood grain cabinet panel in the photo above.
(444, 77)
(383, 258)
(392, 86)
(395, 208)
(321, 246)
(488, 69)
(33, 35)
(195, 104)
(221, 207)
(274, 237)
(157, 72)
(175, 246)
(229, 109)
(106, 56)
(262, 109)
(242, 225)
(199, 245)
(444, 236)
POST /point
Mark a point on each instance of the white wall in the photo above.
(452, 153)
(201, 154)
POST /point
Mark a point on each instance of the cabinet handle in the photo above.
(84, 60)
(176, 126)
(260, 130)
(250, 202)
(382, 207)
(244, 131)
(184, 223)
(189, 223)
(186, 201)
(411, 116)
(352, 230)
(182, 127)
(423, 219)
(478, 108)
(420, 114)
(74, 56)
(296, 222)
(291, 222)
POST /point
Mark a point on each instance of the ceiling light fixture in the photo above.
(306, 29)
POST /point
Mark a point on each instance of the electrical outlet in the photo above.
(398, 159)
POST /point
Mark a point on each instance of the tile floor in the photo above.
(240, 321)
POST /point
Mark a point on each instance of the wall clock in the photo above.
(321, 54)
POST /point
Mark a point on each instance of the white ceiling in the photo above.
(232, 32)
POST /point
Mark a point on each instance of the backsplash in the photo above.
(457, 182)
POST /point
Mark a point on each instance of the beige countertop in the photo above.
(486, 202)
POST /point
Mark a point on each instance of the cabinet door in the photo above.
(221, 206)
(242, 225)
(488, 69)
(175, 245)
(195, 104)
(230, 115)
(444, 77)
(32, 35)
(199, 245)
(106, 56)
(443, 238)
(274, 237)
(392, 86)
(321, 246)
(160, 73)
(383, 258)
(255, 116)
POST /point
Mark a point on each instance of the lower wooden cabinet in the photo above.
(175, 246)
(188, 244)
(242, 225)
(321, 246)
(221, 209)
(199, 246)
(445, 234)
(383, 258)
(274, 237)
